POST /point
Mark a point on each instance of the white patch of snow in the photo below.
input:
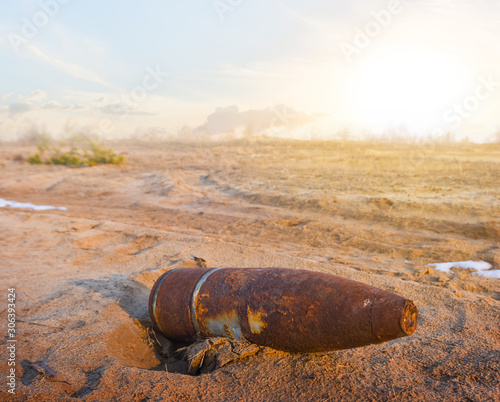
(490, 274)
(14, 204)
(481, 268)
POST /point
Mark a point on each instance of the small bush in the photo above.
(35, 159)
(97, 154)
(67, 158)
(83, 152)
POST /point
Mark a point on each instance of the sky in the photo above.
(360, 68)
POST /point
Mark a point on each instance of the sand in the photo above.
(376, 213)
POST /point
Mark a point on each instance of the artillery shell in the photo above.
(286, 309)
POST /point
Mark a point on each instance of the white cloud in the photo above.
(78, 106)
(7, 96)
(23, 107)
(33, 96)
(36, 95)
(124, 109)
(15, 108)
(51, 105)
(326, 29)
(74, 70)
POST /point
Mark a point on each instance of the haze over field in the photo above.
(293, 69)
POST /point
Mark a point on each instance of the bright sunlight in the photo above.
(407, 86)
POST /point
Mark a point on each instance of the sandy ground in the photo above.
(377, 213)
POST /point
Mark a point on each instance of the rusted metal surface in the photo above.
(286, 309)
(169, 306)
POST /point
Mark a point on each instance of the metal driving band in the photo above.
(158, 324)
(196, 290)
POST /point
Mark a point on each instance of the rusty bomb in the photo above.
(286, 309)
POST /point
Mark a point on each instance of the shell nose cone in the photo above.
(409, 319)
(393, 318)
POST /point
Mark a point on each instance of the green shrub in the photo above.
(35, 159)
(97, 154)
(67, 158)
(83, 152)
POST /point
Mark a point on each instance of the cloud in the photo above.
(74, 70)
(36, 95)
(51, 105)
(225, 120)
(78, 106)
(116, 108)
(123, 109)
(7, 96)
(22, 107)
(15, 108)
(322, 26)
(33, 96)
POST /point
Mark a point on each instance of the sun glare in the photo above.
(409, 86)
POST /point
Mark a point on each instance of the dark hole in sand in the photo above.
(201, 357)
